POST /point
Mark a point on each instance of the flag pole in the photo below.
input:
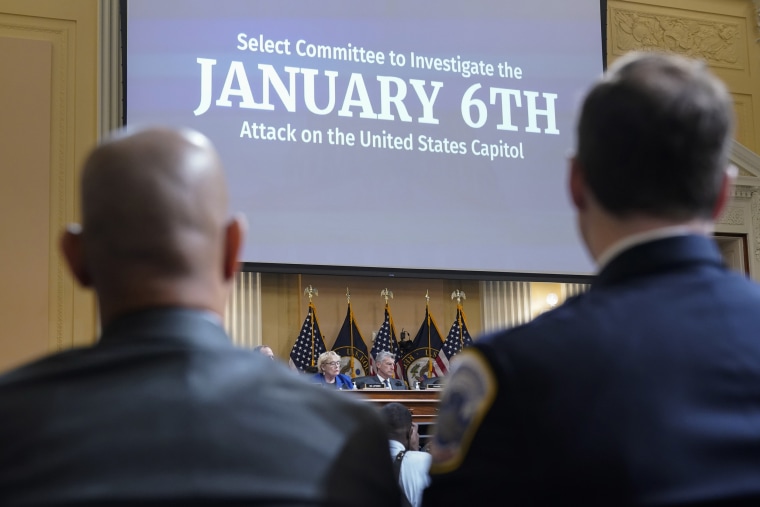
(430, 346)
(311, 292)
(459, 323)
(388, 294)
(351, 334)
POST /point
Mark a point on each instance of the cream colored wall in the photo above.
(48, 57)
(724, 33)
(284, 305)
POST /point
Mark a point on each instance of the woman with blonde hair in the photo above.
(329, 375)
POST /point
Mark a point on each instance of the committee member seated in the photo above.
(329, 375)
(163, 409)
(385, 363)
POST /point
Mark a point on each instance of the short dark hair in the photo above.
(654, 137)
(397, 418)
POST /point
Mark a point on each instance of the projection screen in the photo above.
(420, 135)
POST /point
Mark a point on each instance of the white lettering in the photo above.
(533, 112)
(237, 74)
(506, 110)
(386, 98)
(356, 84)
(426, 100)
(206, 65)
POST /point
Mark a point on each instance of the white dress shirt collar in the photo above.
(637, 239)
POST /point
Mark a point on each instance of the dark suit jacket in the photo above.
(164, 407)
(396, 384)
(643, 391)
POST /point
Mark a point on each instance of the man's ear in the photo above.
(577, 184)
(728, 179)
(73, 251)
(233, 242)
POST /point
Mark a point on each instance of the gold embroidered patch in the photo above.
(469, 393)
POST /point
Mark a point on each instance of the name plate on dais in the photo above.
(372, 386)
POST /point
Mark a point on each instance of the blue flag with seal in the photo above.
(351, 347)
(417, 363)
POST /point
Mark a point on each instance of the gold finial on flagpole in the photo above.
(458, 295)
(311, 292)
(427, 295)
(387, 294)
(348, 295)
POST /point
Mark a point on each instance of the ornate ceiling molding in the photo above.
(716, 42)
(743, 192)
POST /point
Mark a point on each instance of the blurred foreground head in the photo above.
(654, 137)
(155, 225)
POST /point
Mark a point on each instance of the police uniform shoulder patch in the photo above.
(469, 393)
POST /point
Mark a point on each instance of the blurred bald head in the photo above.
(155, 228)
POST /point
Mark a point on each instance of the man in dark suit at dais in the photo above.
(385, 363)
(164, 410)
(646, 389)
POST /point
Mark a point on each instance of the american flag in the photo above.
(385, 340)
(457, 339)
(309, 344)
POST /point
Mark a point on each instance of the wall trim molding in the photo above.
(748, 162)
(109, 77)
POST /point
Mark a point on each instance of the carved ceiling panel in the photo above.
(717, 41)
